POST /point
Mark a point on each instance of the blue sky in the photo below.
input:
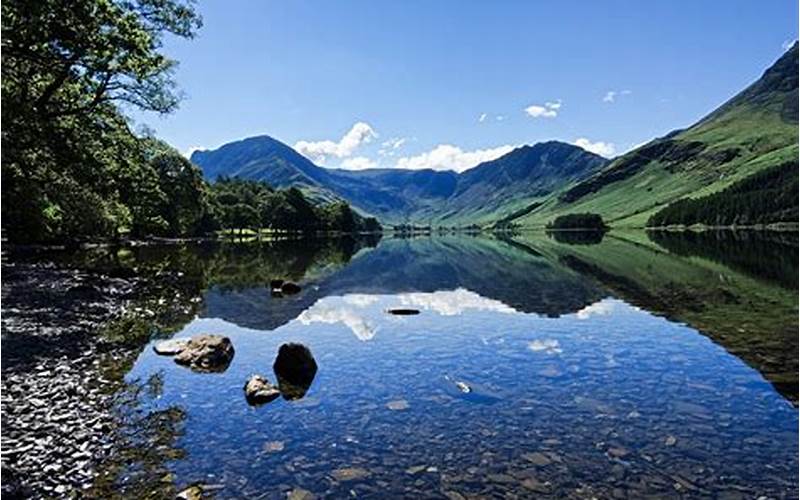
(447, 84)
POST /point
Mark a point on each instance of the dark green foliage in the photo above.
(765, 197)
(770, 256)
(185, 209)
(71, 167)
(578, 221)
(243, 204)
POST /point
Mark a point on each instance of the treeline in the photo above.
(74, 169)
(245, 204)
(765, 197)
(587, 221)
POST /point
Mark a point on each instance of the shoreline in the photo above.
(69, 334)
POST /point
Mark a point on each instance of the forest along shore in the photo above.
(69, 334)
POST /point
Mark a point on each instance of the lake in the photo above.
(632, 365)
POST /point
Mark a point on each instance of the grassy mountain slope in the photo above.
(756, 129)
(497, 188)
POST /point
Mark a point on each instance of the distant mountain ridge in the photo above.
(485, 192)
(531, 185)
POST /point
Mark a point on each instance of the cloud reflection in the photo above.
(361, 312)
(453, 302)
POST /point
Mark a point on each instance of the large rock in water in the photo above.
(259, 391)
(206, 353)
(295, 368)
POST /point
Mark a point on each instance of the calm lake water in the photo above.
(628, 366)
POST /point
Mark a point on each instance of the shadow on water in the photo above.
(734, 294)
(146, 441)
(765, 255)
(577, 237)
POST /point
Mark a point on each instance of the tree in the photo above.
(185, 190)
(69, 67)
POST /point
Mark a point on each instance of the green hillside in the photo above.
(755, 130)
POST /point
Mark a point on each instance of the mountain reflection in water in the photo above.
(535, 366)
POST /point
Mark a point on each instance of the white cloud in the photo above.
(358, 163)
(191, 149)
(602, 308)
(482, 118)
(606, 149)
(611, 95)
(449, 157)
(360, 133)
(787, 44)
(548, 346)
(548, 110)
(499, 118)
(390, 147)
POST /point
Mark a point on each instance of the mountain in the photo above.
(489, 191)
(752, 133)
(755, 130)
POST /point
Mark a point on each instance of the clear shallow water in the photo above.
(573, 391)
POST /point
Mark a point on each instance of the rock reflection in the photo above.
(295, 368)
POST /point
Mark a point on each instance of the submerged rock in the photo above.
(170, 347)
(193, 492)
(273, 446)
(300, 494)
(350, 474)
(207, 353)
(400, 311)
(398, 405)
(290, 288)
(259, 391)
(295, 368)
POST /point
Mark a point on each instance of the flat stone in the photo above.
(538, 459)
(350, 474)
(170, 347)
(300, 494)
(193, 492)
(399, 405)
(415, 469)
(273, 446)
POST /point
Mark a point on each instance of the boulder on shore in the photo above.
(259, 391)
(295, 368)
(206, 353)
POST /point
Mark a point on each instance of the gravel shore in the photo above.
(56, 400)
